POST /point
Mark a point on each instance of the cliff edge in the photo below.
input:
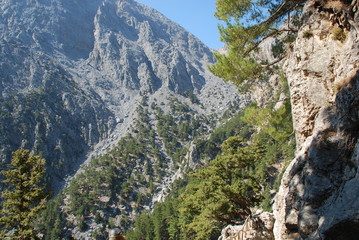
(318, 195)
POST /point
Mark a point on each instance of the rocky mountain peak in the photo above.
(73, 72)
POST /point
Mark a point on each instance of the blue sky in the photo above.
(194, 15)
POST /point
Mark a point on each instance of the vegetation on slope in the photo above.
(224, 192)
(123, 182)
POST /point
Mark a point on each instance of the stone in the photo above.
(258, 227)
(316, 199)
(72, 74)
(316, 67)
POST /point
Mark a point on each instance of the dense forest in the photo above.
(121, 183)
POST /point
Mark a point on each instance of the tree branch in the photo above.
(274, 62)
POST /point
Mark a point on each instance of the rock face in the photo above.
(318, 65)
(72, 73)
(258, 227)
(318, 196)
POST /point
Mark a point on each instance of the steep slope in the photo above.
(318, 197)
(138, 172)
(73, 72)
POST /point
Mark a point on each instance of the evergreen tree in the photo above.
(221, 193)
(237, 179)
(25, 196)
(247, 24)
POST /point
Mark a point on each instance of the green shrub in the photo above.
(339, 34)
(308, 34)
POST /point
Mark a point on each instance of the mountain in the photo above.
(119, 101)
(72, 74)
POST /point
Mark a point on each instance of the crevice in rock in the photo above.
(345, 230)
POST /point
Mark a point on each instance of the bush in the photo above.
(308, 34)
(339, 34)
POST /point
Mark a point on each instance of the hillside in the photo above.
(74, 72)
(317, 196)
(139, 134)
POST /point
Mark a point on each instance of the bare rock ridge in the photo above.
(72, 73)
(318, 196)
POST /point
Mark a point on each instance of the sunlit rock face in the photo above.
(318, 195)
(72, 74)
(259, 227)
(318, 65)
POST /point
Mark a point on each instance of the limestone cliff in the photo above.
(318, 196)
(317, 65)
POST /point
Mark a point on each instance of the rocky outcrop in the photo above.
(258, 227)
(319, 190)
(317, 66)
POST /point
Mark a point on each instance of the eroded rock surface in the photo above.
(318, 196)
(258, 227)
(317, 66)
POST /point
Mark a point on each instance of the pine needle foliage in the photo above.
(221, 193)
(25, 196)
(241, 177)
(246, 25)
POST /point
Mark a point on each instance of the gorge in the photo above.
(121, 103)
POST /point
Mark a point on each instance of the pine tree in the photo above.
(247, 24)
(25, 196)
(221, 193)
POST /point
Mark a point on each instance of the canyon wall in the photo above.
(318, 195)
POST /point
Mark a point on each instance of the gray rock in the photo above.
(318, 195)
(316, 68)
(72, 74)
(258, 227)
